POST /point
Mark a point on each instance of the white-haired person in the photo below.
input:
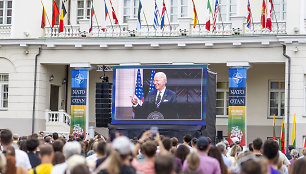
(70, 149)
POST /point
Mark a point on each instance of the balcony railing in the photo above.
(5, 31)
(168, 30)
(58, 117)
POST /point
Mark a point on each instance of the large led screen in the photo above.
(159, 94)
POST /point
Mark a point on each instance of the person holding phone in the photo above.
(159, 103)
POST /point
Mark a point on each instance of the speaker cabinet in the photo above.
(103, 104)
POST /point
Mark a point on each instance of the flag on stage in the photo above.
(293, 133)
(113, 13)
(155, 24)
(274, 133)
(55, 13)
(269, 15)
(195, 19)
(282, 137)
(216, 14)
(249, 15)
(207, 26)
(104, 19)
(162, 23)
(152, 86)
(43, 19)
(63, 13)
(139, 89)
(263, 15)
(92, 12)
(138, 16)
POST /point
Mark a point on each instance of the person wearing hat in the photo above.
(119, 159)
(208, 165)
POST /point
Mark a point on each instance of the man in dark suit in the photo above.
(159, 103)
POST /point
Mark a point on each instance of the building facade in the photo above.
(36, 64)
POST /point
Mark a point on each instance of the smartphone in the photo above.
(154, 131)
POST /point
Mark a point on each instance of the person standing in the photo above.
(46, 154)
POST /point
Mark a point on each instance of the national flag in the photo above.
(207, 26)
(304, 142)
(274, 133)
(269, 15)
(263, 15)
(152, 86)
(293, 133)
(55, 13)
(217, 8)
(63, 13)
(138, 16)
(43, 18)
(104, 19)
(113, 13)
(195, 19)
(162, 23)
(139, 89)
(282, 137)
(155, 24)
(92, 12)
(249, 15)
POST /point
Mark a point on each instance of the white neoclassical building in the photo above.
(36, 64)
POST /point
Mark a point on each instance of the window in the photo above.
(228, 8)
(4, 91)
(276, 98)
(83, 10)
(178, 8)
(5, 11)
(279, 10)
(130, 9)
(222, 99)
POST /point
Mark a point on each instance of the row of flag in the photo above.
(63, 12)
(282, 135)
(266, 21)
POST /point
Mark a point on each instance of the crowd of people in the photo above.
(149, 154)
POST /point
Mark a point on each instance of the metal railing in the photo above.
(58, 117)
(5, 31)
(168, 30)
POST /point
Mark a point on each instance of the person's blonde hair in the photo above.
(193, 160)
(116, 162)
(235, 149)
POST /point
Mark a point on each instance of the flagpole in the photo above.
(95, 17)
(168, 20)
(46, 13)
(145, 19)
(274, 16)
(112, 13)
(111, 22)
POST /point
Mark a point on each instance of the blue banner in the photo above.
(78, 102)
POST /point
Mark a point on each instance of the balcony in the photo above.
(5, 31)
(57, 121)
(222, 29)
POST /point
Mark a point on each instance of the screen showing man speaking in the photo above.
(159, 93)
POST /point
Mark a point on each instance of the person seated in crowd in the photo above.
(270, 151)
(186, 140)
(215, 153)
(70, 149)
(32, 145)
(257, 145)
(164, 164)
(180, 156)
(222, 148)
(46, 154)
(101, 153)
(298, 167)
(22, 159)
(119, 159)
(208, 165)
